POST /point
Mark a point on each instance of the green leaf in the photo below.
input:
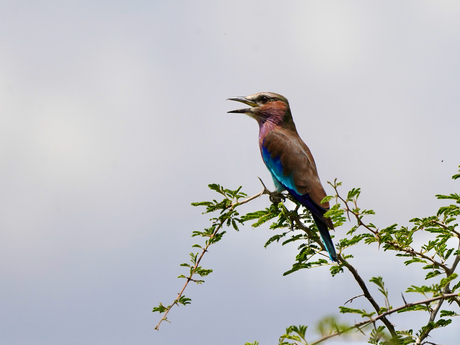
(274, 238)
(453, 196)
(447, 313)
(433, 325)
(420, 289)
(456, 286)
(354, 192)
(327, 199)
(202, 272)
(432, 274)
(296, 333)
(160, 309)
(378, 334)
(336, 269)
(444, 281)
(202, 203)
(345, 310)
(411, 261)
(184, 300)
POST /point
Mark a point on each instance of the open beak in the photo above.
(245, 101)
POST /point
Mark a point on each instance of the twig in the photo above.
(189, 278)
(349, 210)
(420, 254)
(351, 299)
(445, 227)
(255, 196)
(204, 250)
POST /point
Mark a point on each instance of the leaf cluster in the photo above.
(433, 242)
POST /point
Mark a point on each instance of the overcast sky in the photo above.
(113, 120)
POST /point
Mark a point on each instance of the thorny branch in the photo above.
(354, 272)
(205, 249)
(189, 278)
(447, 270)
(296, 219)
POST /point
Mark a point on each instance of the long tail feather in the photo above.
(317, 213)
(326, 237)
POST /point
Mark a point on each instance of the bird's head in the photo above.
(265, 106)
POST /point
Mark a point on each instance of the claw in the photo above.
(277, 197)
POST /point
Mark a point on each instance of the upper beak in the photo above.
(242, 100)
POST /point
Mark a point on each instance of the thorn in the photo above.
(266, 191)
(403, 299)
(275, 197)
(351, 299)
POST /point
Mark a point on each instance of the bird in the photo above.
(288, 158)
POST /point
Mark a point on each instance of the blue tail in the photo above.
(317, 213)
(326, 237)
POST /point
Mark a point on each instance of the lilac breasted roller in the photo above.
(287, 157)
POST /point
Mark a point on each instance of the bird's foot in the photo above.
(276, 197)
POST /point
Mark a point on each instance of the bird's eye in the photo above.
(263, 99)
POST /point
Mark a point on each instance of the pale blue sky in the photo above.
(113, 120)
